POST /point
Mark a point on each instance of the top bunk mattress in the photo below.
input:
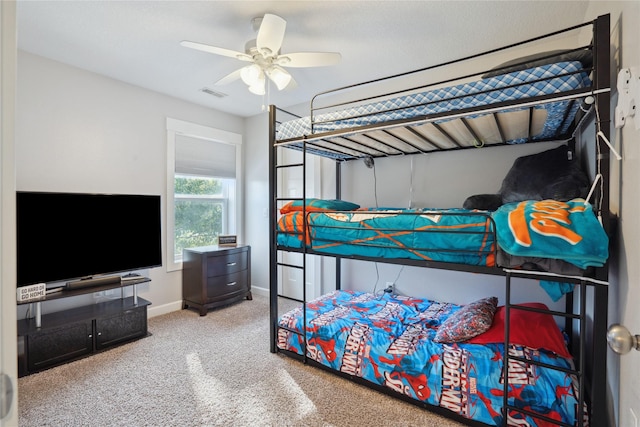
(547, 79)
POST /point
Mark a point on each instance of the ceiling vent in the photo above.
(213, 92)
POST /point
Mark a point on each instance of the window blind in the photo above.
(195, 156)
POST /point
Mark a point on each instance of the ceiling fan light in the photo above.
(279, 76)
(251, 74)
(257, 89)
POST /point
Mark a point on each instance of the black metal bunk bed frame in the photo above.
(589, 347)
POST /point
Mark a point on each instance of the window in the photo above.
(203, 187)
(201, 211)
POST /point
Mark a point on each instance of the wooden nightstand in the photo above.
(215, 275)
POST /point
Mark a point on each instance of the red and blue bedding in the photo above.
(388, 340)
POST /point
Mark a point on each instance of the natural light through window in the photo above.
(204, 190)
(201, 211)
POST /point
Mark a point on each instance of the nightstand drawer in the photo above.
(226, 264)
(224, 285)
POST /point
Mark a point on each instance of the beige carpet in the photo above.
(214, 370)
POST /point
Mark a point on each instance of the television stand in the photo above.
(56, 338)
(71, 292)
(93, 281)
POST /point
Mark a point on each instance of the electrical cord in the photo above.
(411, 185)
(368, 162)
(377, 278)
(599, 161)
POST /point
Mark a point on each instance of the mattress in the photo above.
(449, 235)
(543, 80)
(388, 341)
(530, 230)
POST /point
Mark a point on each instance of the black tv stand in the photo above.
(93, 281)
(60, 337)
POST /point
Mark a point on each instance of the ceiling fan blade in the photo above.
(234, 75)
(270, 34)
(216, 50)
(308, 59)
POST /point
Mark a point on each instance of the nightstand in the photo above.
(213, 276)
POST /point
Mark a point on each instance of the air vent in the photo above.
(213, 92)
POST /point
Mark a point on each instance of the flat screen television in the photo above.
(67, 236)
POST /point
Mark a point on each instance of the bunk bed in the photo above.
(453, 359)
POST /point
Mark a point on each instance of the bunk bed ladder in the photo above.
(579, 372)
(274, 262)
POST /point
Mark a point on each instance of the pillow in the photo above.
(469, 321)
(542, 58)
(534, 330)
(319, 205)
(546, 175)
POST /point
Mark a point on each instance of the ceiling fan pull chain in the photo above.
(267, 94)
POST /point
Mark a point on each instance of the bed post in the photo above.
(599, 360)
(600, 317)
(338, 196)
(273, 278)
(602, 77)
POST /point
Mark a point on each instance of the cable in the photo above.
(411, 185)
(368, 162)
(375, 185)
(606, 141)
(593, 187)
(377, 278)
(398, 276)
(599, 161)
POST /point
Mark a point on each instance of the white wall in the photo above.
(78, 131)
(256, 216)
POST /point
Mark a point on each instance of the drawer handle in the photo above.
(232, 284)
(231, 264)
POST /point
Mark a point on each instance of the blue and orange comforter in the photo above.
(450, 235)
(567, 231)
(387, 340)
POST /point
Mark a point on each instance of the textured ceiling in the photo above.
(138, 41)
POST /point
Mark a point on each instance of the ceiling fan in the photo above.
(263, 53)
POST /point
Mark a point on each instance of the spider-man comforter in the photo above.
(387, 340)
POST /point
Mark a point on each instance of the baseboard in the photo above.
(260, 291)
(159, 310)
